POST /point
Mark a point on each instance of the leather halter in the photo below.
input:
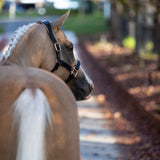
(72, 69)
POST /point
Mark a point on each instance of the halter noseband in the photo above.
(72, 69)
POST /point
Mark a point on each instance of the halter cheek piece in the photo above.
(72, 69)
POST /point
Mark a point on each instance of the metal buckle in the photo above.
(57, 47)
(74, 72)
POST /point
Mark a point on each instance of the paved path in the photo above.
(11, 25)
(97, 142)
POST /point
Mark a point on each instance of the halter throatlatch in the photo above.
(72, 69)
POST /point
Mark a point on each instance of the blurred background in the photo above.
(123, 37)
(133, 24)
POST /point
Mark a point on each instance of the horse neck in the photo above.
(30, 48)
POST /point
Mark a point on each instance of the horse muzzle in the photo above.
(84, 93)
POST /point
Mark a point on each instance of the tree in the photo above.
(1, 4)
(136, 7)
(115, 22)
(157, 28)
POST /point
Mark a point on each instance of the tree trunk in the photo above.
(89, 7)
(157, 27)
(136, 27)
(115, 22)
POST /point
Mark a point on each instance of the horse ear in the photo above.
(60, 21)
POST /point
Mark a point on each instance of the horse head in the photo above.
(61, 61)
(44, 45)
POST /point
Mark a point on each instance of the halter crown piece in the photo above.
(72, 69)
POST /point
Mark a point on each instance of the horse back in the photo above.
(62, 135)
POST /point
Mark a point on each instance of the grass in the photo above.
(86, 24)
(30, 13)
(1, 29)
(34, 13)
(81, 24)
(51, 11)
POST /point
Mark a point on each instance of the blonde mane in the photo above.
(14, 40)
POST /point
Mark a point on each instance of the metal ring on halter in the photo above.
(57, 47)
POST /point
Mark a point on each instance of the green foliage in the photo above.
(125, 5)
(149, 46)
(86, 24)
(1, 4)
(147, 51)
(129, 42)
(148, 55)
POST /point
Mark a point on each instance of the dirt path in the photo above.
(135, 135)
(99, 138)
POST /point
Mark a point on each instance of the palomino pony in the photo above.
(38, 112)
(44, 45)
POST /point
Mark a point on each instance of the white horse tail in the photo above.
(31, 114)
